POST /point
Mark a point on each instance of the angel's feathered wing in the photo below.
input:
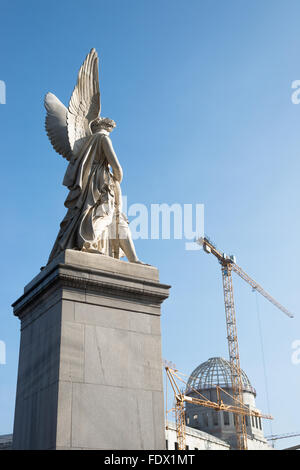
(67, 128)
(56, 125)
(84, 104)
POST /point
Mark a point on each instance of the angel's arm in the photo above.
(112, 158)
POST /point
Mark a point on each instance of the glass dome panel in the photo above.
(215, 371)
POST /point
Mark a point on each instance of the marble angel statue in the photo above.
(94, 221)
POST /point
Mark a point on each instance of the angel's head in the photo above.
(101, 123)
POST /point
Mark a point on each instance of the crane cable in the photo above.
(263, 357)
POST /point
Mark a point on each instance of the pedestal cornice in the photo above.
(111, 277)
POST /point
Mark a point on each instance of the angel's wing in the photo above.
(84, 104)
(56, 125)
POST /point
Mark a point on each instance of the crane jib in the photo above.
(229, 262)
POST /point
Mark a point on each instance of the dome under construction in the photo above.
(215, 371)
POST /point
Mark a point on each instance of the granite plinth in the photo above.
(90, 366)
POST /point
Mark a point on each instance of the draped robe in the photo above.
(90, 223)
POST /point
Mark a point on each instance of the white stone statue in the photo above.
(94, 221)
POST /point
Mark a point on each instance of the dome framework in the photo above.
(216, 371)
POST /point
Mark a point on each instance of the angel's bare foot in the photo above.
(92, 250)
(140, 262)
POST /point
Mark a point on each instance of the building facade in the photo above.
(195, 439)
(221, 424)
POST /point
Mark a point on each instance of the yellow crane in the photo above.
(239, 409)
(228, 265)
(276, 437)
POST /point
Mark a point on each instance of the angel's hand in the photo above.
(118, 195)
(117, 176)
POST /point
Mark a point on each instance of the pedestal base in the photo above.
(90, 367)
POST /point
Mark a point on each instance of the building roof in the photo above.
(215, 371)
(6, 441)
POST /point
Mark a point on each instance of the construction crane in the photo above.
(180, 399)
(228, 264)
(276, 437)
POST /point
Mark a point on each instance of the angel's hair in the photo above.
(102, 123)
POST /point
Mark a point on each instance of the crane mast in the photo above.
(179, 408)
(228, 265)
(234, 355)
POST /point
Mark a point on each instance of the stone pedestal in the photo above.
(90, 366)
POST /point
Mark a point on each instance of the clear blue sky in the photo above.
(201, 92)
